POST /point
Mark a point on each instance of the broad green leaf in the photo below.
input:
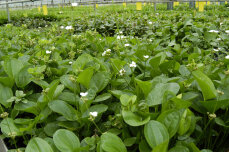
(58, 91)
(66, 141)
(156, 95)
(156, 133)
(130, 141)
(134, 119)
(100, 108)
(127, 100)
(5, 94)
(118, 93)
(176, 103)
(179, 148)
(85, 76)
(38, 145)
(213, 105)
(220, 122)
(145, 86)
(171, 120)
(80, 62)
(161, 147)
(187, 122)
(102, 97)
(70, 84)
(112, 143)
(184, 71)
(69, 97)
(144, 147)
(70, 125)
(30, 107)
(12, 67)
(22, 78)
(8, 127)
(117, 64)
(210, 36)
(7, 81)
(64, 109)
(206, 85)
(51, 128)
(51, 143)
(100, 81)
(52, 88)
(41, 83)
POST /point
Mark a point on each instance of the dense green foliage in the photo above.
(115, 81)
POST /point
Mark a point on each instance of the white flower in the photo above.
(211, 115)
(216, 50)
(94, 114)
(213, 31)
(68, 27)
(100, 39)
(46, 25)
(122, 72)
(120, 37)
(107, 52)
(120, 32)
(150, 22)
(219, 39)
(227, 57)
(83, 94)
(62, 27)
(48, 52)
(133, 64)
(146, 56)
(157, 13)
(74, 4)
(70, 62)
(104, 53)
(227, 31)
(127, 44)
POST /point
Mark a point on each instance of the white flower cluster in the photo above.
(83, 94)
(146, 56)
(227, 57)
(107, 52)
(68, 27)
(150, 22)
(227, 31)
(122, 72)
(4, 115)
(48, 52)
(127, 45)
(120, 35)
(133, 64)
(213, 31)
(93, 114)
(217, 50)
(211, 115)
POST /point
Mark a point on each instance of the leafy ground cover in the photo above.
(115, 80)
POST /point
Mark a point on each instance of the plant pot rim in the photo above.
(3, 147)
